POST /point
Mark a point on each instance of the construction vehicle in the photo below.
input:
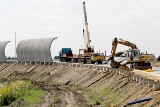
(88, 55)
(65, 54)
(134, 57)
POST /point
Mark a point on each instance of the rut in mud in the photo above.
(62, 96)
(46, 102)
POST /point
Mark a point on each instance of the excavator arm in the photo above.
(126, 43)
(115, 64)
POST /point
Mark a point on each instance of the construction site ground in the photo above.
(67, 86)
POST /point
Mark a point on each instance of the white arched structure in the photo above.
(35, 50)
(2, 51)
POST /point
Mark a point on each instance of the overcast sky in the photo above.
(137, 21)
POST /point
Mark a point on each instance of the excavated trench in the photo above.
(67, 86)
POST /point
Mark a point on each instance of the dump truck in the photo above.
(65, 55)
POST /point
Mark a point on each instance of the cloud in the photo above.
(145, 11)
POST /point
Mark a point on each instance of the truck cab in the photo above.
(97, 57)
(65, 54)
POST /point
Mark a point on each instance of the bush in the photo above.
(12, 91)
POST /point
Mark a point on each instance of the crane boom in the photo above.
(86, 28)
(88, 55)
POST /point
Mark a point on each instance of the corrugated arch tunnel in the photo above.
(2, 51)
(35, 50)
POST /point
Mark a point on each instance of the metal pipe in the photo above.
(139, 101)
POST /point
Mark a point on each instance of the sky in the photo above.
(137, 21)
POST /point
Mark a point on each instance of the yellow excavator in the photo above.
(88, 55)
(134, 57)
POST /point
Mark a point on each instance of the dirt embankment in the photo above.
(97, 87)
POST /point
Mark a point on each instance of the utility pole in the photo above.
(15, 45)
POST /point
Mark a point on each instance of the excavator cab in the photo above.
(132, 54)
(138, 60)
(136, 55)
